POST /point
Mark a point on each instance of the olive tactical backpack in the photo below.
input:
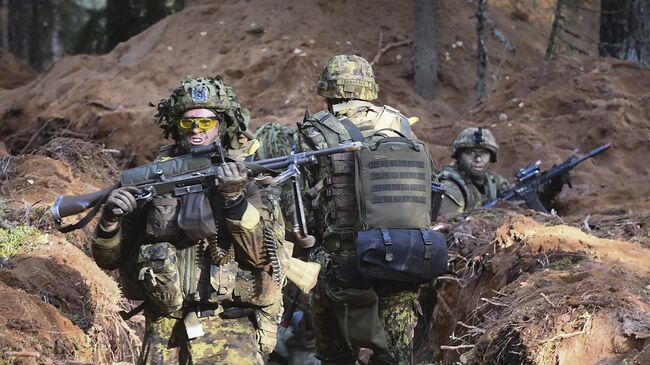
(392, 176)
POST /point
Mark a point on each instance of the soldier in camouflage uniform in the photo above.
(348, 84)
(203, 263)
(295, 342)
(470, 184)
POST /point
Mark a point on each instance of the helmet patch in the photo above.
(200, 94)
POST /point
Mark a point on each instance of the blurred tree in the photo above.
(42, 31)
(19, 30)
(625, 30)
(481, 56)
(4, 24)
(126, 18)
(425, 59)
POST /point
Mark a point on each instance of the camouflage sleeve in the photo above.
(246, 223)
(501, 183)
(110, 248)
(452, 200)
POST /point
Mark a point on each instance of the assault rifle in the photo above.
(529, 179)
(191, 173)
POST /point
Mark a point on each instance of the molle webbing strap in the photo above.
(398, 199)
(427, 243)
(388, 242)
(398, 187)
(395, 163)
(397, 175)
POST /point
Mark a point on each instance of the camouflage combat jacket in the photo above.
(236, 269)
(463, 193)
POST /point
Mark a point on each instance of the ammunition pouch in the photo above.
(357, 314)
(241, 287)
(158, 272)
(401, 255)
(162, 219)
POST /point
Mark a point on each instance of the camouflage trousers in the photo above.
(398, 313)
(245, 340)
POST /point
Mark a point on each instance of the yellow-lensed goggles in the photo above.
(204, 123)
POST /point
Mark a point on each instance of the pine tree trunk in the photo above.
(4, 24)
(425, 60)
(57, 47)
(20, 15)
(481, 64)
(625, 30)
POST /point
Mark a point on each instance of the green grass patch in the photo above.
(20, 239)
(563, 264)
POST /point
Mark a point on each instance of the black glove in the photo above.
(559, 181)
(121, 201)
(232, 178)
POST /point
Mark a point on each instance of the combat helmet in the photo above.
(474, 137)
(203, 93)
(276, 140)
(348, 77)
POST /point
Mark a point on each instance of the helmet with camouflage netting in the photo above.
(276, 139)
(348, 77)
(203, 93)
(474, 137)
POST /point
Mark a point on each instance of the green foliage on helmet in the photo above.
(474, 137)
(203, 93)
(348, 77)
(276, 139)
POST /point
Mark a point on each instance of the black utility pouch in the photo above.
(403, 255)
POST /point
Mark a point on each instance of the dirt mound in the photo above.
(64, 277)
(570, 106)
(38, 329)
(531, 292)
(13, 71)
(61, 166)
(271, 66)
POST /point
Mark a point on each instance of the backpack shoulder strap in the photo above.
(352, 129)
(491, 187)
(328, 126)
(449, 173)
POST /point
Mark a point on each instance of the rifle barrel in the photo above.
(277, 162)
(594, 152)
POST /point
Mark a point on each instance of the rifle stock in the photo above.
(67, 205)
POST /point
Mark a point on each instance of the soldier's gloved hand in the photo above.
(232, 178)
(121, 201)
(559, 181)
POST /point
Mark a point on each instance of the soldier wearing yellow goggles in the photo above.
(187, 124)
